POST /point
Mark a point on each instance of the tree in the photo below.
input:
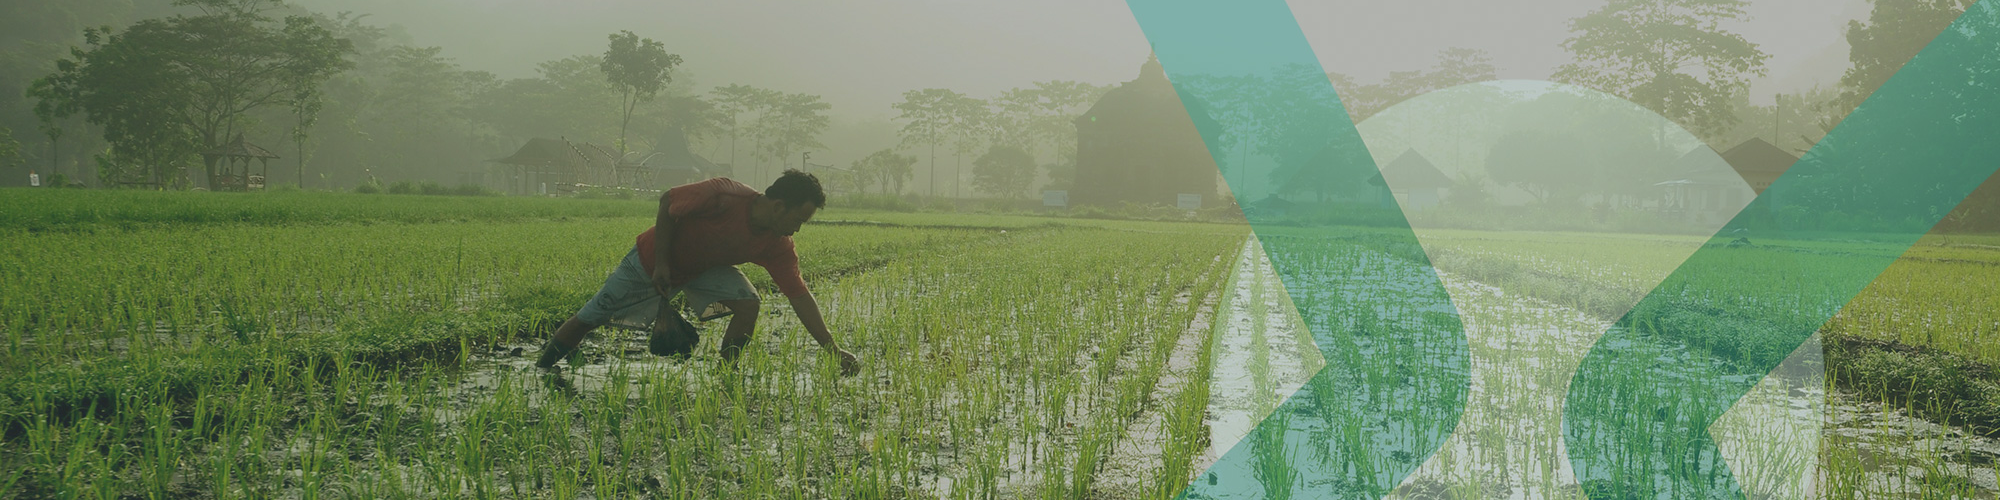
(166, 89)
(1637, 49)
(1043, 117)
(417, 104)
(732, 102)
(885, 169)
(1896, 30)
(790, 123)
(971, 126)
(1004, 170)
(690, 116)
(929, 115)
(638, 68)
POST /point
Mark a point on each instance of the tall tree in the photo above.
(166, 89)
(734, 101)
(929, 117)
(1042, 119)
(695, 119)
(971, 126)
(1639, 49)
(791, 123)
(638, 68)
(1896, 30)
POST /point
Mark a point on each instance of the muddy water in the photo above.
(1257, 320)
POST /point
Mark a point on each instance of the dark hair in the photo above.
(795, 188)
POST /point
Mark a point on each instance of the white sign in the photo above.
(1190, 201)
(34, 179)
(1053, 198)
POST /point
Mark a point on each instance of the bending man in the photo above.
(703, 231)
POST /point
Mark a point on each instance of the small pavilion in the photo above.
(233, 165)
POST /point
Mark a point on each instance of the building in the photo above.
(548, 166)
(1139, 144)
(1698, 188)
(1759, 162)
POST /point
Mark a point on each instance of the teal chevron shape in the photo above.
(1639, 407)
(1395, 380)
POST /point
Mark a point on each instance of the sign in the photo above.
(34, 179)
(1190, 201)
(1053, 198)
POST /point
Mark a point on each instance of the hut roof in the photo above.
(1412, 171)
(240, 148)
(1755, 155)
(553, 153)
(672, 153)
(1273, 202)
(1697, 166)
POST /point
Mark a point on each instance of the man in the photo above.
(702, 232)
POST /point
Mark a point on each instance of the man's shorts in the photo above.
(628, 299)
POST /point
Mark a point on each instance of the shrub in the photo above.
(368, 188)
(403, 187)
(432, 188)
(472, 190)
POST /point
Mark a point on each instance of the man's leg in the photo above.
(742, 320)
(567, 337)
(625, 287)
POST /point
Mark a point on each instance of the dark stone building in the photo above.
(1139, 144)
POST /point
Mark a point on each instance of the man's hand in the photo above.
(662, 278)
(849, 365)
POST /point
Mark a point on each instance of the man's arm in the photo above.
(663, 240)
(807, 308)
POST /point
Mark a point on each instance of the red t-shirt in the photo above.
(712, 228)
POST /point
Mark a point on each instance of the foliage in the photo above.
(638, 69)
(1895, 31)
(790, 123)
(1042, 118)
(886, 170)
(10, 149)
(166, 89)
(40, 210)
(934, 116)
(734, 101)
(1005, 171)
(1637, 49)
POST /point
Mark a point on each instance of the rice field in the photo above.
(175, 351)
(389, 360)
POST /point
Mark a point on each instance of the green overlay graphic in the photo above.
(1353, 243)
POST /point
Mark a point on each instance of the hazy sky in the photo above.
(862, 54)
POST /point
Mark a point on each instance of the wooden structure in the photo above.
(1699, 187)
(548, 166)
(232, 165)
(1139, 144)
